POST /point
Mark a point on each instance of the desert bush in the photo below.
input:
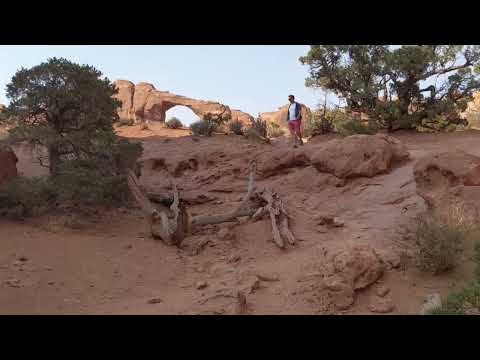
(440, 239)
(236, 127)
(174, 123)
(259, 127)
(25, 196)
(347, 125)
(258, 130)
(311, 125)
(126, 122)
(476, 258)
(84, 183)
(202, 127)
(466, 301)
(274, 130)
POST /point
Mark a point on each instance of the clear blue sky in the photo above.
(250, 78)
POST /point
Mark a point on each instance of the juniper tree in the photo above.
(399, 87)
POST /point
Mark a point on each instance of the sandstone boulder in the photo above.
(357, 155)
(272, 163)
(447, 178)
(8, 164)
(353, 269)
(308, 179)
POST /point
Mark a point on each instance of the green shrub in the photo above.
(202, 127)
(440, 239)
(88, 185)
(466, 301)
(236, 127)
(174, 123)
(311, 125)
(476, 258)
(259, 127)
(274, 130)
(461, 303)
(25, 196)
(351, 126)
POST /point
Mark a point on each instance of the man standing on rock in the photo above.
(294, 119)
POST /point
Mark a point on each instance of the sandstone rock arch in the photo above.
(143, 102)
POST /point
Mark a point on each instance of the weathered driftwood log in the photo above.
(242, 210)
(174, 228)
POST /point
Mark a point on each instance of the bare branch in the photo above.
(215, 219)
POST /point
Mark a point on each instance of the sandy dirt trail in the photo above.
(112, 266)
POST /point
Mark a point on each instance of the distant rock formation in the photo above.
(142, 102)
(279, 117)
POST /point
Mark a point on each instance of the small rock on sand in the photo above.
(201, 285)
(154, 301)
(433, 301)
(382, 290)
(382, 306)
(267, 277)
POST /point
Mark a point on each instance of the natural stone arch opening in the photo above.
(182, 112)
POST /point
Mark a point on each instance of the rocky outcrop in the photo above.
(279, 117)
(354, 156)
(8, 164)
(272, 163)
(143, 102)
(126, 89)
(353, 269)
(2, 108)
(447, 178)
(245, 118)
(357, 155)
(238, 115)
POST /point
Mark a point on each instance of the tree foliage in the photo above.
(66, 107)
(424, 86)
(69, 110)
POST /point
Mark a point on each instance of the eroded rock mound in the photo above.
(274, 162)
(8, 164)
(357, 155)
(353, 269)
(447, 177)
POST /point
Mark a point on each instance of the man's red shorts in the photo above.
(294, 125)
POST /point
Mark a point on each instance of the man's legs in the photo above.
(291, 127)
(298, 131)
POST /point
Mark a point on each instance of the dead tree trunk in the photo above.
(255, 204)
(171, 230)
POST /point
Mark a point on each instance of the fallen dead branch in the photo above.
(173, 228)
